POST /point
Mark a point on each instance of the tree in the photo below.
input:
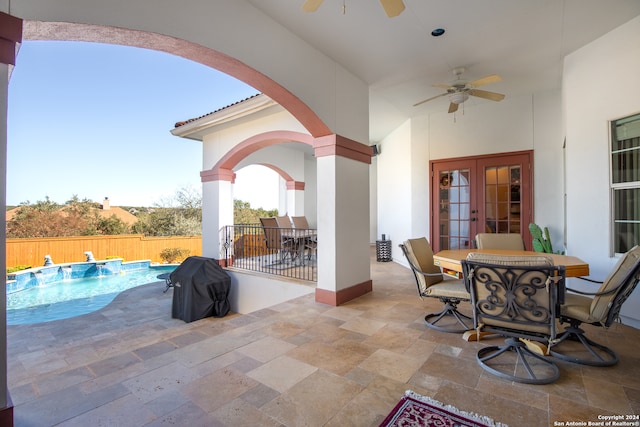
(75, 218)
(244, 214)
(179, 215)
(112, 225)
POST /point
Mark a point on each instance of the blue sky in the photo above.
(94, 120)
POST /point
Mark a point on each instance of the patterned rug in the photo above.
(416, 410)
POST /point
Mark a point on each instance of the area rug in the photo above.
(416, 410)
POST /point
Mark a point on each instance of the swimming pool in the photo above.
(70, 296)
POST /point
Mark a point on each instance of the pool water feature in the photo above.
(61, 291)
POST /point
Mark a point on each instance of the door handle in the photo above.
(474, 219)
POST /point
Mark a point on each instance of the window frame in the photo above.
(617, 186)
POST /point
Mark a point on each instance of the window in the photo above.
(625, 182)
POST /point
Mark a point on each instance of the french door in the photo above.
(483, 194)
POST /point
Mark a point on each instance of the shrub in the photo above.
(173, 255)
(17, 268)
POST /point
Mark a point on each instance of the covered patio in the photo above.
(131, 364)
(350, 352)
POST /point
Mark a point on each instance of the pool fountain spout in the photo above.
(47, 260)
(89, 256)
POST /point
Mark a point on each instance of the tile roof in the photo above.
(184, 122)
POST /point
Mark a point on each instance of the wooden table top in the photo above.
(450, 259)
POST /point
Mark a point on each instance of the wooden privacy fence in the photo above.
(130, 247)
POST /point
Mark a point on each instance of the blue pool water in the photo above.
(61, 299)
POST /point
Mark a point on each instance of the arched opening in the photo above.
(93, 120)
(37, 30)
(258, 185)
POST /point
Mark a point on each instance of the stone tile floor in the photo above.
(299, 363)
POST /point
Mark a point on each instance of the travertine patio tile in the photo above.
(312, 401)
(282, 373)
(150, 385)
(392, 365)
(219, 388)
(126, 410)
(266, 349)
(296, 363)
(363, 325)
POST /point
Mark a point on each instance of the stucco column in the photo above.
(10, 36)
(295, 198)
(217, 211)
(4, 393)
(343, 219)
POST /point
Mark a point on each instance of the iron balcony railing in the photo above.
(287, 252)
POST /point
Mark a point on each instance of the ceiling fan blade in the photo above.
(493, 96)
(429, 99)
(453, 107)
(311, 5)
(493, 78)
(443, 86)
(392, 7)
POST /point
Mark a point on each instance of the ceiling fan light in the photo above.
(458, 97)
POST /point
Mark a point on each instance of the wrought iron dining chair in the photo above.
(516, 297)
(500, 241)
(432, 283)
(599, 308)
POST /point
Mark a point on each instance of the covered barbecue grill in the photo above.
(200, 289)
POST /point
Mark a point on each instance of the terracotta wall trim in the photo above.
(218, 175)
(10, 36)
(336, 145)
(344, 295)
(295, 185)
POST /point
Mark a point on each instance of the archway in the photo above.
(345, 161)
(65, 31)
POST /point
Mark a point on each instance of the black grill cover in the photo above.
(200, 289)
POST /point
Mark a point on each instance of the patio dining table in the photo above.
(449, 260)
(299, 237)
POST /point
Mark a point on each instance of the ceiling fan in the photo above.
(391, 7)
(460, 90)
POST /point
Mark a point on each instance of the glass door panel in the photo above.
(502, 199)
(454, 208)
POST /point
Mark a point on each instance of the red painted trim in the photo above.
(336, 145)
(218, 175)
(227, 262)
(344, 295)
(279, 171)
(295, 185)
(259, 141)
(330, 145)
(10, 35)
(67, 31)
(6, 414)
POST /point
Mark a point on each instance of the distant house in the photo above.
(125, 216)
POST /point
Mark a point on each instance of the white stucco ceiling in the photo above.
(523, 41)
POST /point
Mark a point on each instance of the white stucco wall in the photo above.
(395, 193)
(600, 84)
(311, 191)
(222, 139)
(490, 127)
(515, 124)
(343, 194)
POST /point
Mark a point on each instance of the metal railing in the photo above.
(279, 251)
